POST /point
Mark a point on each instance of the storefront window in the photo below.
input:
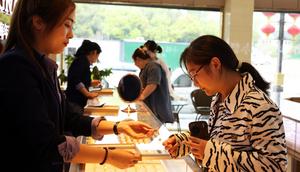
(121, 29)
(275, 50)
(6, 9)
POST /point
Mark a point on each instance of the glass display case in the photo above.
(154, 156)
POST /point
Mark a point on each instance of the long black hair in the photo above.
(153, 46)
(204, 48)
(53, 12)
(140, 53)
(86, 48)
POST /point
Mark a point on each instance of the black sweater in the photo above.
(79, 72)
(33, 116)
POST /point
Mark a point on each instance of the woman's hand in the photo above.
(197, 146)
(135, 129)
(123, 158)
(95, 83)
(92, 95)
(171, 146)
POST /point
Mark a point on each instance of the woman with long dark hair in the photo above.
(79, 75)
(32, 107)
(245, 127)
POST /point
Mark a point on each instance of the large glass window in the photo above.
(275, 50)
(121, 29)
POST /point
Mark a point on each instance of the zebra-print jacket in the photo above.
(248, 134)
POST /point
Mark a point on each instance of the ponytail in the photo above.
(140, 53)
(153, 46)
(159, 49)
(259, 81)
(87, 47)
(205, 47)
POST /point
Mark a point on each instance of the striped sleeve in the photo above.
(266, 153)
(182, 150)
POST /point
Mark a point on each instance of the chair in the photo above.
(201, 102)
(176, 117)
(176, 108)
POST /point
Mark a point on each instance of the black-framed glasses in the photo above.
(192, 77)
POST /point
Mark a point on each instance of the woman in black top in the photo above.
(31, 104)
(79, 74)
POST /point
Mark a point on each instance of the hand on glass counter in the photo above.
(123, 158)
(95, 83)
(92, 95)
(135, 129)
(171, 146)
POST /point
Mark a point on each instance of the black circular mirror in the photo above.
(129, 87)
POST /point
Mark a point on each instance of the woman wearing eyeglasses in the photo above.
(245, 128)
(32, 107)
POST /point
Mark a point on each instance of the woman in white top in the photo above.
(245, 127)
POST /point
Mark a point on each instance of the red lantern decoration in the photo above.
(294, 15)
(293, 30)
(268, 29)
(268, 14)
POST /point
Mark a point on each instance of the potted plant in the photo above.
(62, 76)
(100, 74)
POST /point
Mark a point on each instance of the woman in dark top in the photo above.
(155, 92)
(31, 104)
(79, 74)
(152, 48)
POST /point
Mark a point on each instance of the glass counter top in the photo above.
(154, 156)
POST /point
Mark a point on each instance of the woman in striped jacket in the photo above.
(245, 127)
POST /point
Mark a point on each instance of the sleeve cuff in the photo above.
(79, 86)
(95, 132)
(69, 148)
(182, 150)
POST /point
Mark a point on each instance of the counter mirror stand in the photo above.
(129, 89)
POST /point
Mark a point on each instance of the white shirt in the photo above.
(248, 134)
(168, 73)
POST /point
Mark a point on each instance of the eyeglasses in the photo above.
(192, 77)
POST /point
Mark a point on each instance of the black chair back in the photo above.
(201, 102)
